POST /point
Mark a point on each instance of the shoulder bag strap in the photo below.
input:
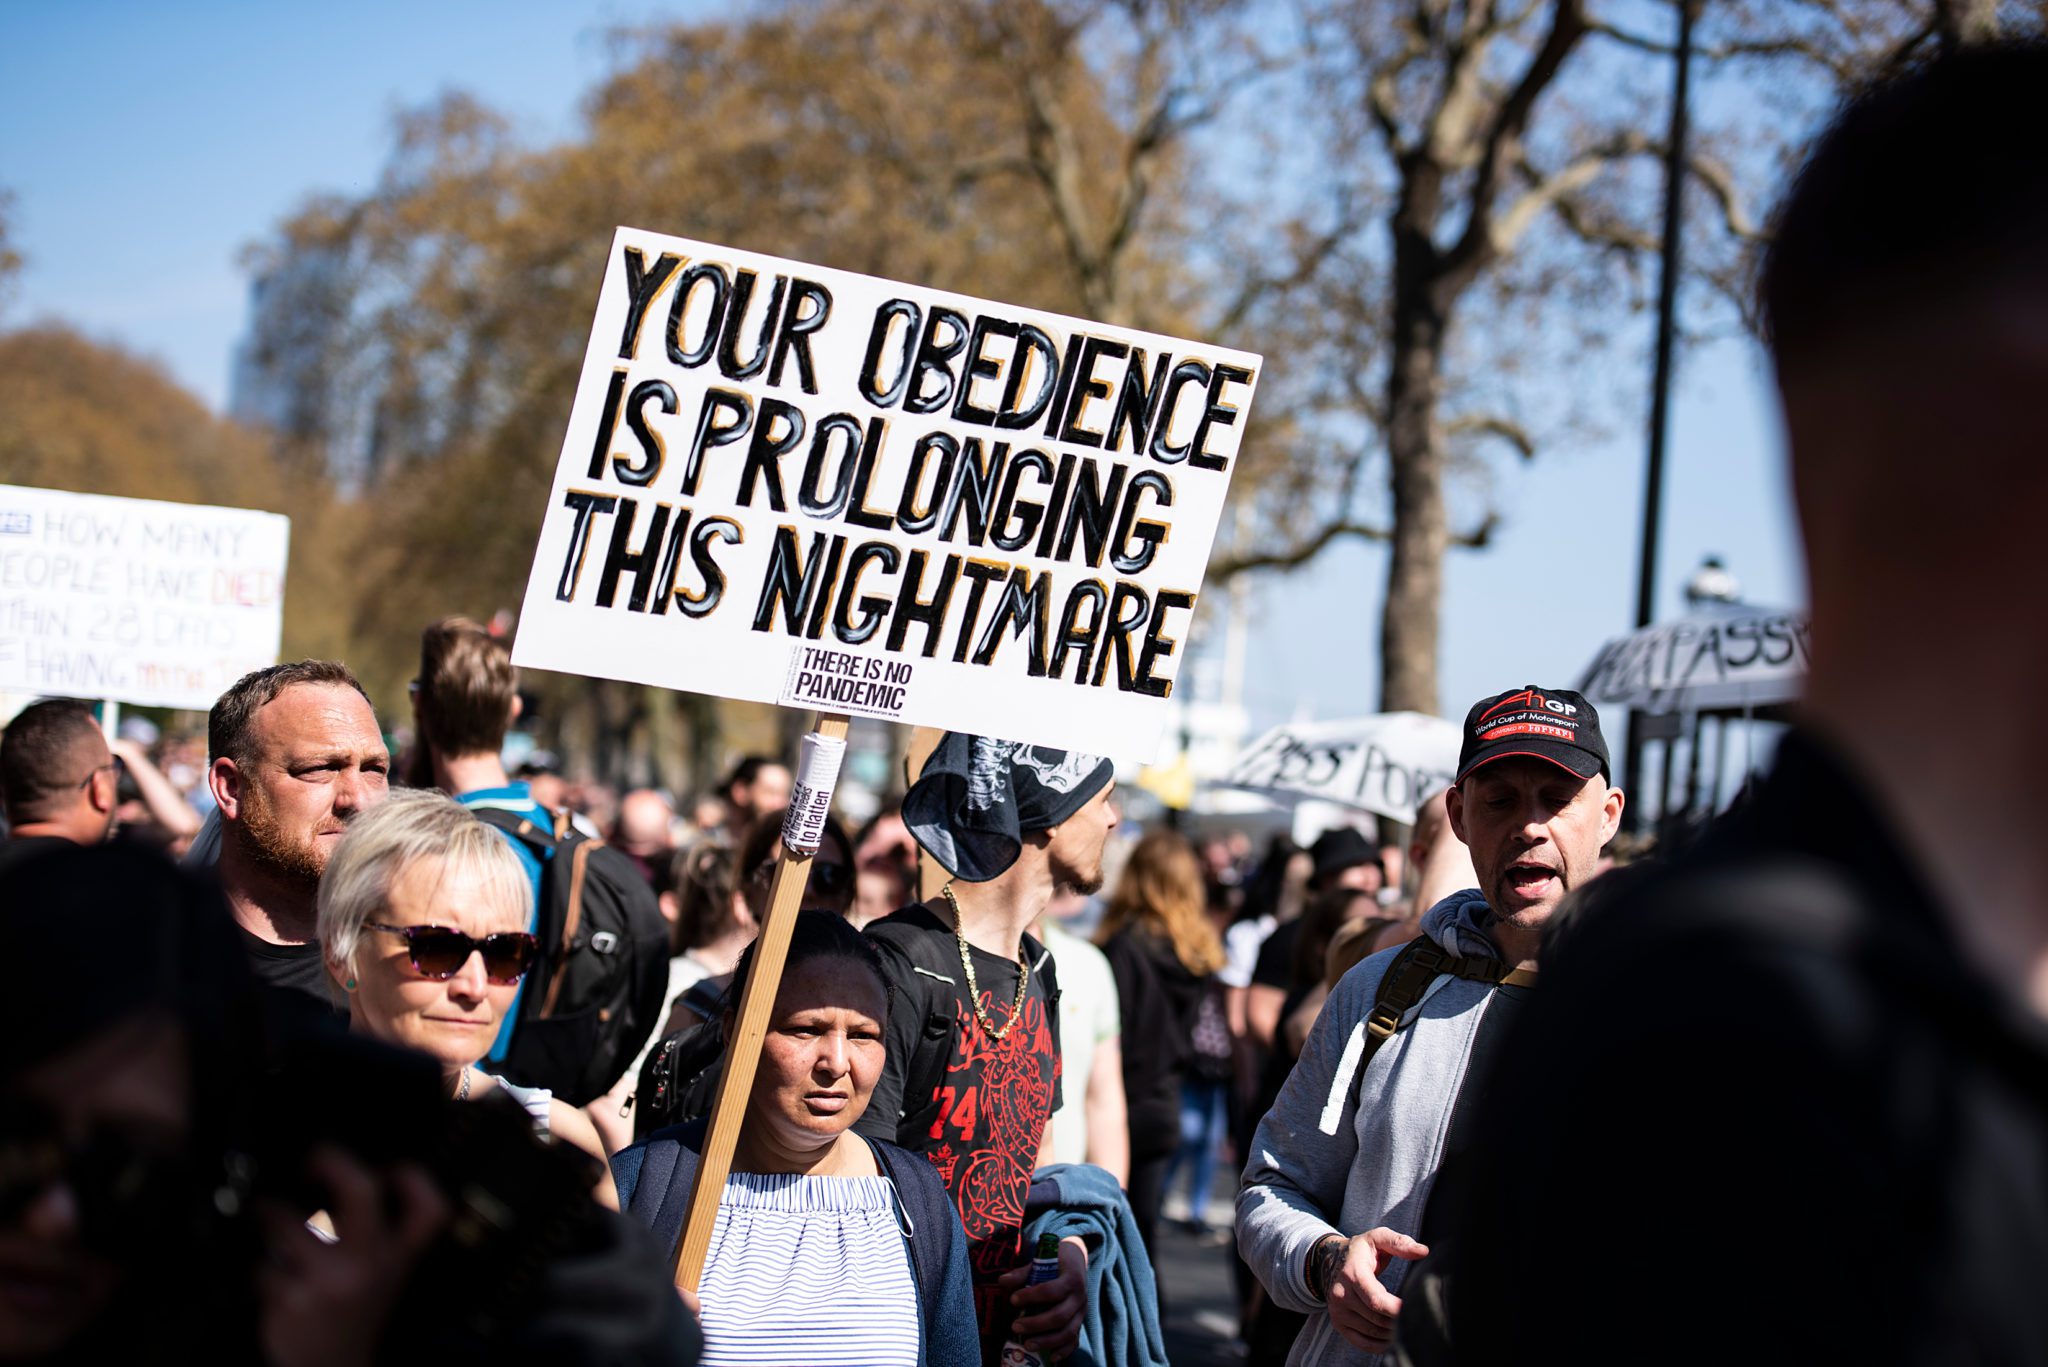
(1407, 981)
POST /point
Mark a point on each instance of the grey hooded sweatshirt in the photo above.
(1340, 1155)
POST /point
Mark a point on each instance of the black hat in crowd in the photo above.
(1338, 849)
(978, 797)
(1544, 723)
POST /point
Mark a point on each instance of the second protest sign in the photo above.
(788, 484)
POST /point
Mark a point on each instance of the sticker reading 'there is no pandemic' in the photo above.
(839, 681)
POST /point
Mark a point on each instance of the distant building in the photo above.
(298, 372)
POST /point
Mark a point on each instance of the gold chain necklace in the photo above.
(974, 985)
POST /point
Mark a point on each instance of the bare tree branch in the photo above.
(1308, 261)
(1503, 145)
(1493, 425)
(1341, 529)
(1834, 63)
(1299, 554)
(1545, 191)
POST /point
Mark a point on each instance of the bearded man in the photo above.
(973, 1048)
(296, 756)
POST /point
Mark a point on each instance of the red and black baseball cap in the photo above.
(1543, 723)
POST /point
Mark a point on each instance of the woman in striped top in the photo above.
(829, 1249)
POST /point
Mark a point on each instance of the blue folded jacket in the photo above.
(1122, 1327)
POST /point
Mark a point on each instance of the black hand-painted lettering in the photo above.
(1149, 536)
(1185, 374)
(873, 609)
(1009, 506)
(705, 601)
(622, 559)
(723, 420)
(935, 358)
(642, 285)
(729, 363)
(1216, 414)
(607, 425)
(912, 610)
(652, 448)
(844, 431)
(586, 504)
(699, 273)
(980, 366)
(909, 516)
(769, 446)
(797, 327)
(1035, 352)
(887, 317)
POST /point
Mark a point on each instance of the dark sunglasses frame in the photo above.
(117, 764)
(522, 947)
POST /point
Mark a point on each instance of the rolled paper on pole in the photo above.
(756, 1006)
(810, 795)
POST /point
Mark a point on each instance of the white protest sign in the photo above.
(788, 484)
(158, 604)
(1728, 658)
(1384, 764)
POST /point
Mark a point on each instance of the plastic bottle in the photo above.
(1044, 1268)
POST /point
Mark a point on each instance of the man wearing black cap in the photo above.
(1379, 1104)
(973, 1049)
(1786, 1099)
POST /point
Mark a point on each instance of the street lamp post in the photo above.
(1660, 384)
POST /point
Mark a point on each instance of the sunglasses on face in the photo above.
(439, 952)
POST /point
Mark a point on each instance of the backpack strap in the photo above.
(1407, 981)
(705, 999)
(572, 918)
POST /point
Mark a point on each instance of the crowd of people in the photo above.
(305, 1064)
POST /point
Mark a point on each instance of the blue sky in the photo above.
(147, 144)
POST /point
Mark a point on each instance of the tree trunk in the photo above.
(1415, 455)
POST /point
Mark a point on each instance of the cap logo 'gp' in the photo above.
(1529, 698)
(1559, 726)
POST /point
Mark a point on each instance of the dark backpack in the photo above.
(596, 993)
(679, 1080)
(929, 993)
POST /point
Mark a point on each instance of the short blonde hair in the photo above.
(408, 826)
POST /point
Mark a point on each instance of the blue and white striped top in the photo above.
(809, 1270)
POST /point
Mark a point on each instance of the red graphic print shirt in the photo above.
(985, 1101)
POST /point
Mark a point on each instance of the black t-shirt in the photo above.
(16, 848)
(294, 967)
(1275, 965)
(994, 1096)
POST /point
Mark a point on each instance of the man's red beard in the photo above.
(270, 846)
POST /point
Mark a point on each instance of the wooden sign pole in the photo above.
(924, 740)
(743, 1055)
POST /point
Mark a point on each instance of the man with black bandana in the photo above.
(974, 1060)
